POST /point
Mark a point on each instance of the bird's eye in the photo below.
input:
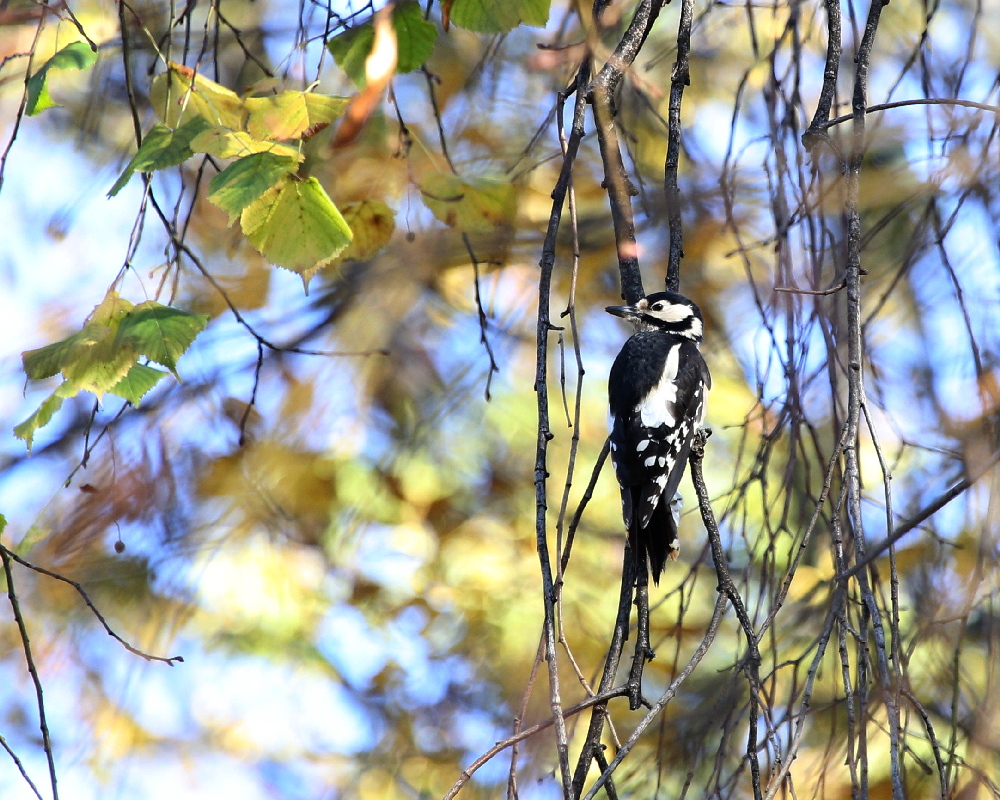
(657, 306)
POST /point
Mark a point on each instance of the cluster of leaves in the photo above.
(290, 219)
(103, 357)
(287, 215)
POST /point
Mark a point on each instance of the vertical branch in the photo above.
(727, 588)
(26, 648)
(856, 390)
(592, 744)
(544, 327)
(829, 91)
(619, 188)
(620, 192)
(679, 78)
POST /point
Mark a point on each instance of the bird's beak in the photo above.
(627, 312)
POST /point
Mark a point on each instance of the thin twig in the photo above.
(500, 746)
(917, 101)
(666, 697)
(20, 767)
(543, 328)
(5, 556)
(90, 604)
(679, 78)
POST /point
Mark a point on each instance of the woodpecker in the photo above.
(657, 391)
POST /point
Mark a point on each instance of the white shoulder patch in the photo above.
(657, 407)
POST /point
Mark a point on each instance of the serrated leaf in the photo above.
(160, 333)
(244, 181)
(415, 38)
(99, 361)
(372, 223)
(490, 16)
(473, 205)
(179, 94)
(48, 361)
(39, 419)
(295, 225)
(288, 115)
(136, 383)
(225, 143)
(162, 148)
(351, 48)
(102, 357)
(53, 358)
(77, 55)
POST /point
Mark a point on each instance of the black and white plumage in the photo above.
(657, 390)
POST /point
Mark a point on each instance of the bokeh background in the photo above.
(348, 564)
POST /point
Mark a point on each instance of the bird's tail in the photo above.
(658, 541)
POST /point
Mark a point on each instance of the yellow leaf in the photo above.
(290, 115)
(473, 205)
(225, 143)
(180, 93)
(372, 223)
(295, 225)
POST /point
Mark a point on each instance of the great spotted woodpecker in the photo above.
(657, 390)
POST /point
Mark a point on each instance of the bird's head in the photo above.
(664, 311)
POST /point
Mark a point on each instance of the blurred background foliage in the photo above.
(342, 546)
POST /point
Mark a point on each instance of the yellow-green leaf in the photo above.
(103, 356)
(372, 223)
(288, 115)
(77, 55)
(180, 93)
(226, 143)
(47, 361)
(39, 419)
(473, 205)
(99, 361)
(244, 181)
(295, 225)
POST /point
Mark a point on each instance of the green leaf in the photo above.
(180, 93)
(160, 333)
(244, 181)
(77, 55)
(41, 417)
(162, 148)
(415, 38)
(493, 16)
(225, 143)
(289, 115)
(295, 225)
(351, 48)
(473, 205)
(137, 381)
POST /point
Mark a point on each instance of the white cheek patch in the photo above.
(657, 407)
(673, 313)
